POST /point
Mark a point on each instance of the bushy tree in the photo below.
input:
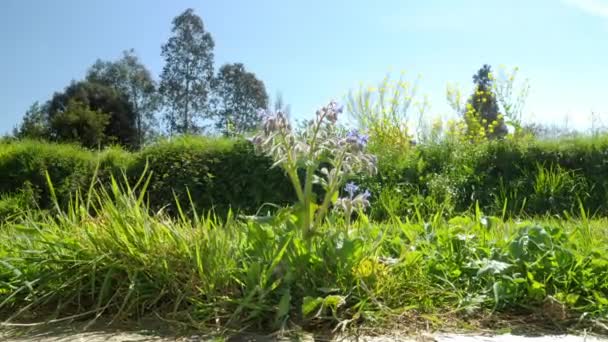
(187, 75)
(99, 98)
(35, 123)
(132, 79)
(239, 95)
(482, 107)
(77, 122)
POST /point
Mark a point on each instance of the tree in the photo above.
(77, 122)
(483, 107)
(279, 105)
(35, 123)
(239, 94)
(187, 75)
(131, 78)
(99, 98)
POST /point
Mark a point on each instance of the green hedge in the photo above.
(217, 173)
(69, 168)
(519, 178)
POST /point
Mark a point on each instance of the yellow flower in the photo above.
(364, 269)
(369, 267)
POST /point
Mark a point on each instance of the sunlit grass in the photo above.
(108, 255)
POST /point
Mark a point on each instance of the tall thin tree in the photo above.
(187, 75)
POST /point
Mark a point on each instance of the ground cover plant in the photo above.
(323, 260)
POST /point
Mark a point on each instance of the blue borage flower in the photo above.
(351, 188)
(354, 137)
(314, 143)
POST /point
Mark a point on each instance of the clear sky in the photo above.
(316, 50)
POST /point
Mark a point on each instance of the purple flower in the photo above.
(356, 138)
(366, 194)
(363, 139)
(351, 188)
(338, 108)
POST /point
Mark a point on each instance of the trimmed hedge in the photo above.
(217, 173)
(517, 177)
(69, 168)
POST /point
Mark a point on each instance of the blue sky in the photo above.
(316, 50)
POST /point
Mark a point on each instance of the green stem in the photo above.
(349, 213)
(307, 199)
(292, 171)
(310, 169)
(329, 194)
(295, 181)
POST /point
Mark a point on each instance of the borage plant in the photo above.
(327, 155)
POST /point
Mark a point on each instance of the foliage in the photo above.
(209, 173)
(518, 177)
(496, 103)
(80, 124)
(482, 107)
(327, 156)
(131, 78)
(34, 124)
(28, 162)
(509, 97)
(383, 112)
(13, 206)
(187, 75)
(239, 96)
(108, 254)
(120, 128)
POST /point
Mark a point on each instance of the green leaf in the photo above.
(284, 305)
(334, 302)
(572, 298)
(334, 197)
(492, 267)
(310, 304)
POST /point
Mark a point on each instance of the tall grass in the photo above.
(109, 255)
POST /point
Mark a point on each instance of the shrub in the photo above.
(12, 206)
(448, 175)
(518, 176)
(212, 173)
(68, 166)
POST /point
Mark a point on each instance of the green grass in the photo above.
(107, 255)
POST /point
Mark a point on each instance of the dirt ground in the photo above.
(69, 335)
(81, 332)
